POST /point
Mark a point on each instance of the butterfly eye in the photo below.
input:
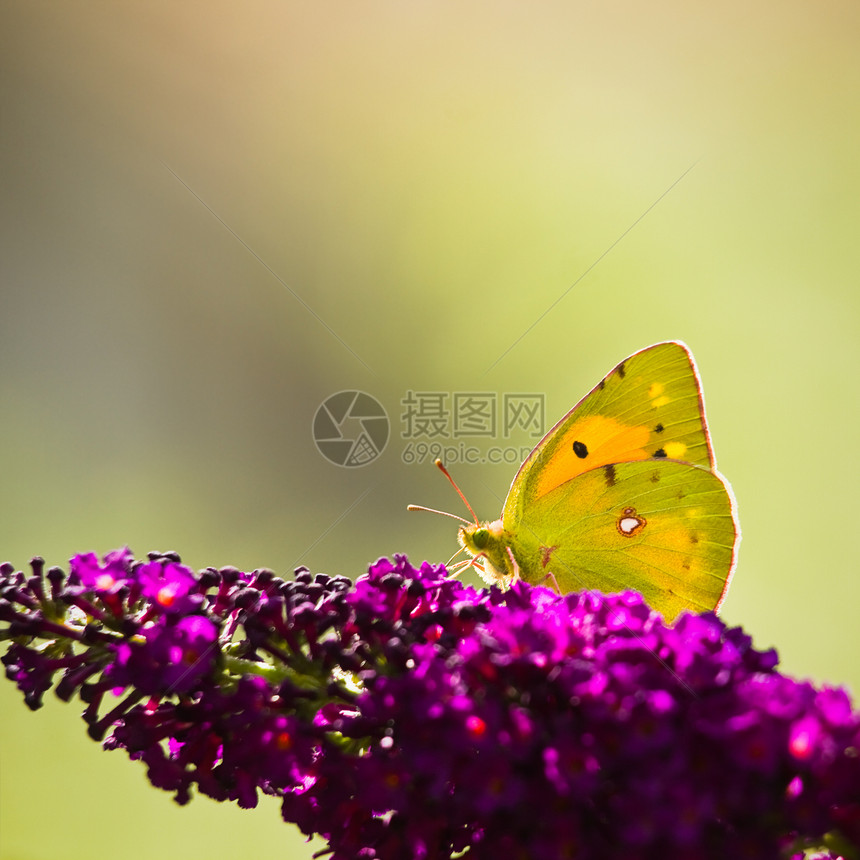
(580, 450)
(480, 537)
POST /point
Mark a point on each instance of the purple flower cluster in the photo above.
(412, 716)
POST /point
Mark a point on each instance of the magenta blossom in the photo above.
(412, 716)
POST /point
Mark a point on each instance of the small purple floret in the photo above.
(104, 576)
(172, 655)
(170, 587)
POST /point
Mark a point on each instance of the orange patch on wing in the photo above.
(607, 440)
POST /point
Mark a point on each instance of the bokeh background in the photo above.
(215, 216)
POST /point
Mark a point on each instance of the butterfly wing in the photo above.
(664, 528)
(649, 406)
(623, 492)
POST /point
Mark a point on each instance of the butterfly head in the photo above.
(486, 542)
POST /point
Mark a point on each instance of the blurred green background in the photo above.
(427, 179)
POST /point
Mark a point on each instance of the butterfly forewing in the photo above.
(649, 406)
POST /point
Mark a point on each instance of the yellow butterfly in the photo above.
(622, 493)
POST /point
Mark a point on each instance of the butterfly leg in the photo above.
(551, 577)
(546, 553)
(455, 570)
(457, 567)
(515, 576)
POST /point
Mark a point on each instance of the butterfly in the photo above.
(623, 493)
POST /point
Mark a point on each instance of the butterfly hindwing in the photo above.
(664, 528)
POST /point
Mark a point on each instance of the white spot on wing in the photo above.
(630, 523)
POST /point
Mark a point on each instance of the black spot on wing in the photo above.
(609, 474)
(659, 453)
(659, 428)
(580, 449)
(620, 370)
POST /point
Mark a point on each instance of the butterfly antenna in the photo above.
(434, 511)
(441, 466)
